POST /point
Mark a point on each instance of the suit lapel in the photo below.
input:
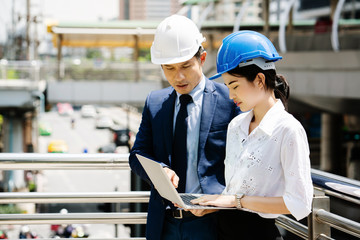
(168, 108)
(208, 111)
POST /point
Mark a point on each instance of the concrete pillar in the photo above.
(13, 134)
(352, 124)
(353, 170)
(136, 58)
(331, 144)
(13, 143)
(59, 57)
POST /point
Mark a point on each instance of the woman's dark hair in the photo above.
(273, 81)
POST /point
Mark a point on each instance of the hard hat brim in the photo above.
(215, 76)
(162, 61)
(260, 62)
(172, 60)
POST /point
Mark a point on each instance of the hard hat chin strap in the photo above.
(260, 62)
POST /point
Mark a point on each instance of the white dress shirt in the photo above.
(271, 161)
(194, 109)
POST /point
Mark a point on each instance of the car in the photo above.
(65, 109)
(58, 146)
(109, 148)
(103, 121)
(88, 111)
(45, 129)
(121, 136)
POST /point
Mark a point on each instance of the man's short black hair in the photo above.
(199, 52)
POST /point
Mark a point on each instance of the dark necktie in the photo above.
(179, 156)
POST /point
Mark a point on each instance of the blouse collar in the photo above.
(268, 123)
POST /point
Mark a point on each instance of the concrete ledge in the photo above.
(100, 92)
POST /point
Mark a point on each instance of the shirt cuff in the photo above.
(164, 165)
(296, 207)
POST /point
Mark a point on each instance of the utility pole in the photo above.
(12, 41)
(36, 40)
(266, 15)
(27, 34)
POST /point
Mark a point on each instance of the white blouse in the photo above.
(271, 161)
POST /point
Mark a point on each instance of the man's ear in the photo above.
(203, 57)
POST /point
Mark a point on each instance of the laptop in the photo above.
(166, 189)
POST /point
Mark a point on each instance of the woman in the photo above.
(267, 167)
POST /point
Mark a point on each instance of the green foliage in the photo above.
(144, 55)
(91, 73)
(125, 60)
(92, 53)
(142, 59)
(12, 74)
(9, 209)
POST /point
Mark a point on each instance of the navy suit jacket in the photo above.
(154, 140)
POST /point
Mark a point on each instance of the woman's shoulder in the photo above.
(290, 124)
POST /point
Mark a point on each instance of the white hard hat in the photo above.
(177, 39)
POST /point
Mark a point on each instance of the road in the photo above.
(83, 136)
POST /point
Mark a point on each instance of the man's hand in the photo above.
(172, 176)
(202, 212)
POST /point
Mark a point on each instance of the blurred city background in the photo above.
(74, 76)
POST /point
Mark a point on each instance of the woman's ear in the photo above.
(260, 80)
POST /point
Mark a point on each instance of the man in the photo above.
(184, 128)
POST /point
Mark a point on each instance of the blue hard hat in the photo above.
(243, 46)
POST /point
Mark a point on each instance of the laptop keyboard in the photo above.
(188, 197)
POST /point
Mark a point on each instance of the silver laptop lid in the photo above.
(160, 180)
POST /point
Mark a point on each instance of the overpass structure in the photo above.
(324, 80)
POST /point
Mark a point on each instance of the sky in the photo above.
(81, 10)
(56, 10)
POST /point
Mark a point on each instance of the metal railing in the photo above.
(20, 70)
(70, 197)
(37, 161)
(73, 218)
(338, 222)
(319, 221)
(339, 187)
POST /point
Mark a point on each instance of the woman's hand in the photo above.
(198, 212)
(216, 200)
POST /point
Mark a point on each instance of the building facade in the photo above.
(227, 10)
(147, 9)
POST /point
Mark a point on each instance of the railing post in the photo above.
(3, 66)
(320, 201)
